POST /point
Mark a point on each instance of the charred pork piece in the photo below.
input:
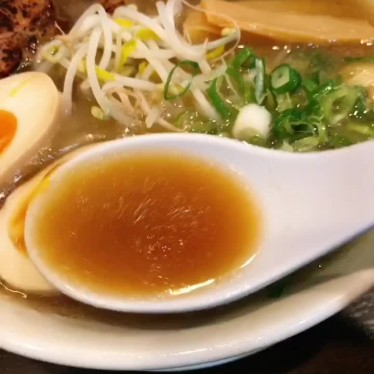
(111, 5)
(23, 24)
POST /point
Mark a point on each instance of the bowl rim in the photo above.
(347, 288)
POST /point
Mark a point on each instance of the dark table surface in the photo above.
(334, 346)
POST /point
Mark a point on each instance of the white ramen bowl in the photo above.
(193, 340)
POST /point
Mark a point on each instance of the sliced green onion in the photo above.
(361, 129)
(260, 91)
(314, 116)
(325, 88)
(167, 88)
(282, 125)
(294, 124)
(223, 109)
(361, 108)
(338, 141)
(237, 79)
(284, 102)
(249, 94)
(244, 58)
(285, 79)
(309, 86)
(270, 100)
(245, 89)
(306, 144)
(316, 77)
(313, 108)
(338, 104)
(193, 122)
(259, 141)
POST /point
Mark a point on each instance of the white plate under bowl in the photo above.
(129, 342)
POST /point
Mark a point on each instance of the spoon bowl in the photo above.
(310, 204)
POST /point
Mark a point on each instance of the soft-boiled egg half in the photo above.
(16, 269)
(29, 108)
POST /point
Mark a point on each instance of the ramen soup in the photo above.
(146, 225)
(292, 75)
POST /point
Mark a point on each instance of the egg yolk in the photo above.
(8, 128)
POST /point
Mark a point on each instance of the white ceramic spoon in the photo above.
(311, 204)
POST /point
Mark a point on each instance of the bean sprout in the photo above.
(125, 60)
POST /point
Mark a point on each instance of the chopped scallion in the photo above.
(284, 102)
(260, 91)
(338, 104)
(285, 79)
(194, 66)
(237, 78)
(245, 58)
(223, 109)
(325, 88)
(294, 124)
(309, 86)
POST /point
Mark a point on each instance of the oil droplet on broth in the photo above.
(147, 224)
